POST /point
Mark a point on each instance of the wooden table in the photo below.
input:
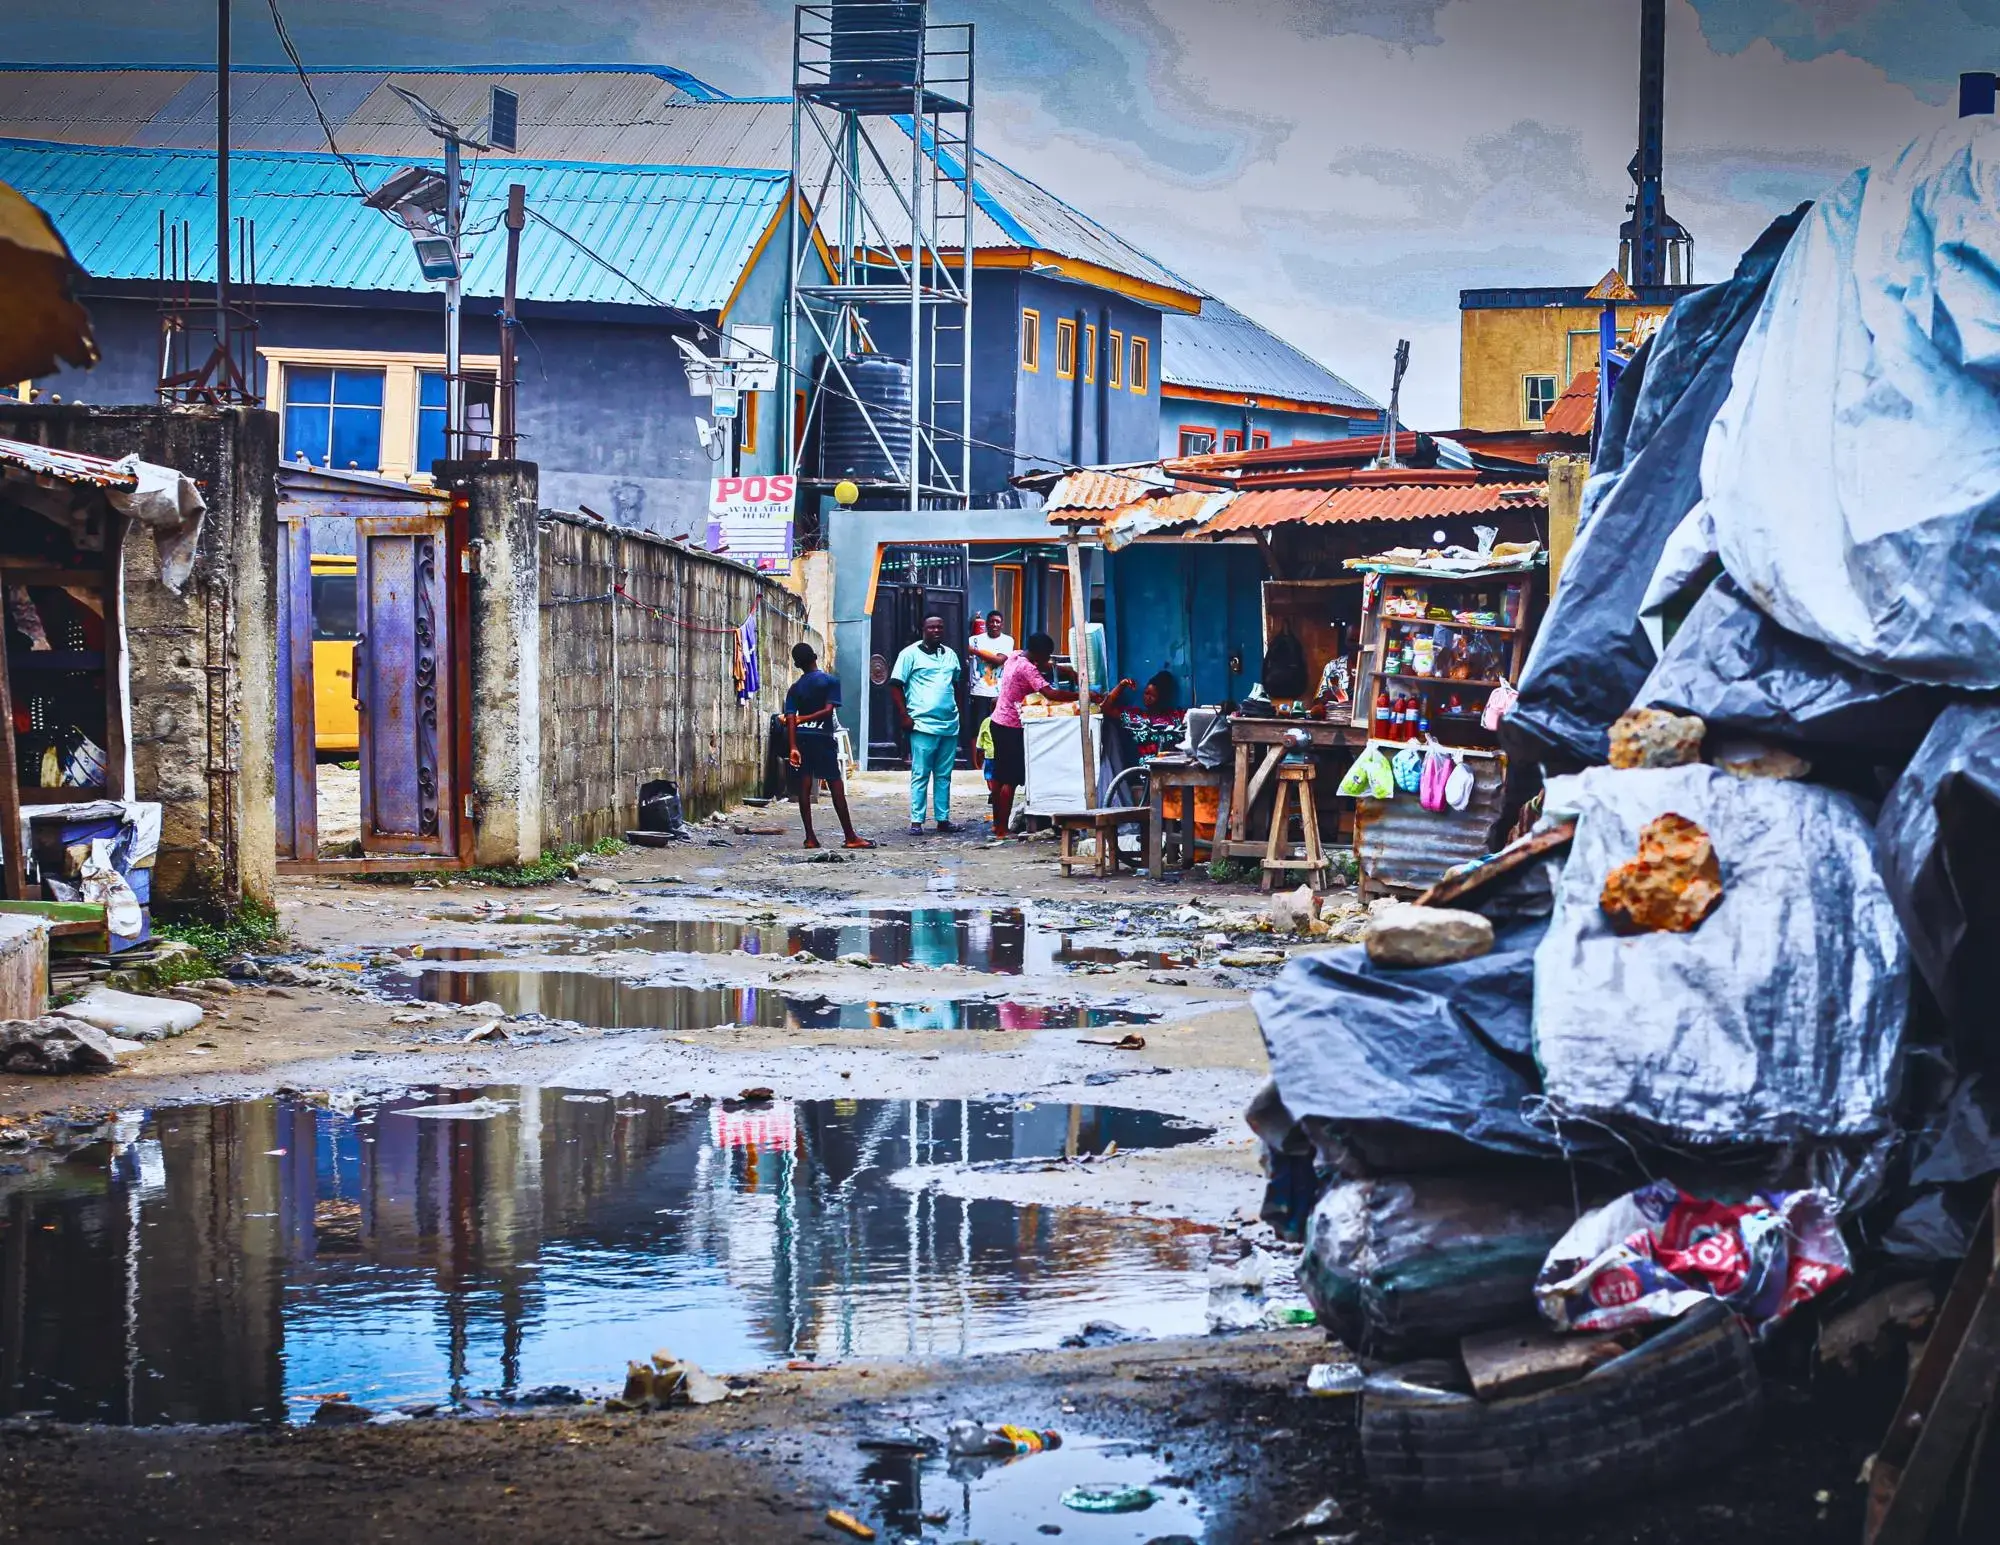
(1173, 772)
(1103, 825)
(1334, 744)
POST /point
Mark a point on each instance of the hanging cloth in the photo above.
(748, 678)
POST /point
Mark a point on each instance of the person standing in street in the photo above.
(1024, 678)
(814, 753)
(924, 685)
(985, 658)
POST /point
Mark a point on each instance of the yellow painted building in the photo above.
(1520, 348)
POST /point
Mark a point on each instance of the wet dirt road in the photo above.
(464, 1151)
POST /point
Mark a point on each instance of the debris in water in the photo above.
(1109, 1499)
(847, 1523)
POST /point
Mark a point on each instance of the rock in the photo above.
(856, 958)
(1651, 737)
(602, 887)
(1292, 911)
(134, 1016)
(56, 1043)
(1408, 936)
(1674, 883)
(341, 1413)
(384, 961)
(1347, 927)
(243, 969)
(1252, 957)
(1101, 1333)
(1756, 759)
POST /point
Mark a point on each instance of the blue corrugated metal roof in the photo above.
(1222, 350)
(684, 233)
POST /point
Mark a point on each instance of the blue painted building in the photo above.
(1230, 385)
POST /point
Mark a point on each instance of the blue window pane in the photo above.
(306, 434)
(358, 388)
(430, 437)
(304, 385)
(357, 438)
(430, 390)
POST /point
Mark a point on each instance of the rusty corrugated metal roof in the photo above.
(1266, 507)
(1097, 491)
(1575, 411)
(1399, 843)
(65, 466)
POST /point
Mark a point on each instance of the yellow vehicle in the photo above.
(336, 724)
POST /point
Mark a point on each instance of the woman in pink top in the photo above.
(1019, 678)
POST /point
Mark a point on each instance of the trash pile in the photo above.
(1701, 1050)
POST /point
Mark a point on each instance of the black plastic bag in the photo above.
(1592, 656)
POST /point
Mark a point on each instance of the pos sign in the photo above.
(752, 498)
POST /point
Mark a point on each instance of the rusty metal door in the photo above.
(297, 781)
(403, 684)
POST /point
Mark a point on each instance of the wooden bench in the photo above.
(1103, 825)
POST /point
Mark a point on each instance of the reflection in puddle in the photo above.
(1011, 1500)
(613, 1003)
(229, 1262)
(1001, 941)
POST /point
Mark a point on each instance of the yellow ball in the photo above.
(845, 492)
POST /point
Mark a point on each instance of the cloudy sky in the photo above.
(1340, 169)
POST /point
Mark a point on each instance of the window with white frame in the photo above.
(431, 398)
(1538, 396)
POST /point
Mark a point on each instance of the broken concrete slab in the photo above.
(56, 1043)
(129, 1014)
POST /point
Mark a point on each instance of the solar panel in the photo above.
(501, 135)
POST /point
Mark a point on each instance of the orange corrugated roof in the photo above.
(1098, 491)
(1575, 411)
(1265, 508)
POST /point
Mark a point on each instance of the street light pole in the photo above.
(454, 378)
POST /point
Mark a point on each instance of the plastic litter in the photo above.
(1335, 1379)
(1109, 1499)
(1778, 1020)
(1369, 776)
(975, 1440)
(1658, 1252)
(847, 1523)
(1313, 1519)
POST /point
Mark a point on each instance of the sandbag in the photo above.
(1399, 1267)
(1390, 1067)
(1778, 1020)
(1734, 668)
(1852, 477)
(1591, 655)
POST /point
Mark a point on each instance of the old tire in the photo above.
(1688, 1397)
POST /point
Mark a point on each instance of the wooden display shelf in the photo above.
(1441, 681)
(1463, 627)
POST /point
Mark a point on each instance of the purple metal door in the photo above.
(298, 781)
(402, 684)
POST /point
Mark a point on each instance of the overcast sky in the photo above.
(1340, 169)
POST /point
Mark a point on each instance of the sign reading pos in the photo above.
(750, 518)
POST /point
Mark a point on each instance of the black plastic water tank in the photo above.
(847, 444)
(876, 42)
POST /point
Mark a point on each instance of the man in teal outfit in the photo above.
(925, 687)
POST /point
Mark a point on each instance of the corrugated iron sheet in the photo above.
(1222, 350)
(684, 235)
(1575, 411)
(1094, 491)
(1169, 512)
(85, 107)
(1399, 843)
(1263, 508)
(65, 466)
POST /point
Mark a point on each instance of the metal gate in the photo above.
(913, 583)
(386, 551)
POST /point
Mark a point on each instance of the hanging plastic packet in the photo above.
(1369, 777)
(1458, 787)
(1409, 768)
(1499, 703)
(1438, 765)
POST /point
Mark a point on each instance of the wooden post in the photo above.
(1566, 477)
(1079, 614)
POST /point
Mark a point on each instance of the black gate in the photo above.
(914, 583)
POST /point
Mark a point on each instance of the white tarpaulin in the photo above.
(1851, 480)
(171, 506)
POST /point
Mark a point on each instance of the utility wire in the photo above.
(828, 388)
(325, 125)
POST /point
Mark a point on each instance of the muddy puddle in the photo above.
(615, 1003)
(985, 1499)
(1002, 941)
(231, 1262)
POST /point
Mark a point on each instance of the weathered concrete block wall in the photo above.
(642, 688)
(204, 682)
(24, 967)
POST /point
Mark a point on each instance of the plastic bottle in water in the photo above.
(970, 1439)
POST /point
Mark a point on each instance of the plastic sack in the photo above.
(1394, 1068)
(1939, 834)
(1409, 770)
(1438, 768)
(1591, 655)
(1852, 478)
(1369, 776)
(1396, 1267)
(1657, 1253)
(1459, 786)
(1733, 667)
(1778, 1020)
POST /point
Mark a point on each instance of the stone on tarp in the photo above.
(129, 1014)
(1413, 936)
(1760, 759)
(1674, 883)
(1652, 737)
(56, 1043)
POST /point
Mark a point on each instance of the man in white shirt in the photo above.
(985, 657)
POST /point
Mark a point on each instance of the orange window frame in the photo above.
(1197, 429)
(1031, 340)
(1089, 353)
(1232, 440)
(1009, 581)
(1141, 374)
(746, 439)
(1260, 439)
(1065, 349)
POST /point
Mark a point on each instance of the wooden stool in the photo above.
(1296, 781)
(1164, 776)
(1103, 824)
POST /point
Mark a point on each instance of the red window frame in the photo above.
(1198, 429)
(1232, 441)
(1260, 439)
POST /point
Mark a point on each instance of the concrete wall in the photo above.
(638, 689)
(1500, 346)
(1284, 426)
(204, 658)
